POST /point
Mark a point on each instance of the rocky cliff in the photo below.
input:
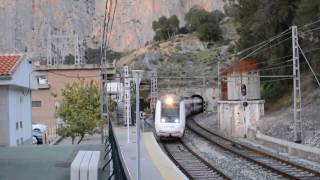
(26, 25)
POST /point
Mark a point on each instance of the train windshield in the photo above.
(170, 114)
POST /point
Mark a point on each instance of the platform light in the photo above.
(176, 120)
(163, 120)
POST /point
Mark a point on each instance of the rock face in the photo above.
(134, 18)
(26, 25)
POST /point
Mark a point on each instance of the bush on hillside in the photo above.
(204, 23)
(165, 27)
(209, 32)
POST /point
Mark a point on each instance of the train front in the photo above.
(170, 117)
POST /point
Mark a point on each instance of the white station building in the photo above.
(16, 83)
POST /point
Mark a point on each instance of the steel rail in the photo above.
(190, 163)
(275, 164)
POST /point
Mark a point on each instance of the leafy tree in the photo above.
(309, 12)
(260, 20)
(263, 19)
(196, 17)
(80, 110)
(204, 23)
(165, 27)
(69, 59)
(217, 15)
(92, 56)
(209, 32)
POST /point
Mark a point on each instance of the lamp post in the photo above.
(137, 75)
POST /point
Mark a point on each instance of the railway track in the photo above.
(192, 165)
(268, 161)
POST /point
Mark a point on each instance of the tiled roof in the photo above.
(8, 63)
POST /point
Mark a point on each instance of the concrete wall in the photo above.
(252, 82)
(4, 115)
(235, 120)
(294, 149)
(57, 79)
(19, 114)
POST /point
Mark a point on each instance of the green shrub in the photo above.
(209, 32)
(204, 23)
(165, 27)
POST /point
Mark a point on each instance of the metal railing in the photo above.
(118, 169)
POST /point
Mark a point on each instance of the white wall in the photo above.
(22, 76)
(252, 82)
(19, 110)
(4, 115)
(235, 121)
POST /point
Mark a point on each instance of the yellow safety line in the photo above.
(167, 169)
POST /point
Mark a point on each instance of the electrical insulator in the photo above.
(245, 104)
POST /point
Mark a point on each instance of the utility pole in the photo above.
(204, 91)
(154, 90)
(219, 81)
(296, 86)
(103, 98)
(49, 55)
(127, 101)
(77, 55)
(137, 74)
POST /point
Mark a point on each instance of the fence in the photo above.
(112, 146)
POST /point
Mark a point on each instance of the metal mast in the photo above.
(77, 55)
(154, 90)
(296, 86)
(127, 97)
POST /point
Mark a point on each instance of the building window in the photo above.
(42, 80)
(17, 125)
(18, 143)
(21, 141)
(20, 124)
(36, 103)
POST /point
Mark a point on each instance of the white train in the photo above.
(171, 112)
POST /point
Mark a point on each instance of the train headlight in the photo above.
(163, 120)
(176, 120)
(169, 101)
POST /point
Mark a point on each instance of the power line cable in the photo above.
(104, 32)
(114, 12)
(274, 80)
(310, 24)
(69, 76)
(262, 47)
(263, 43)
(310, 30)
(314, 74)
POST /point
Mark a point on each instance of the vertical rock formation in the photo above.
(25, 25)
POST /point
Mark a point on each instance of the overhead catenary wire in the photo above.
(310, 30)
(114, 12)
(311, 50)
(104, 33)
(262, 47)
(73, 77)
(314, 74)
(109, 12)
(275, 80)
(264, 42)
(266, 61)
(310, 24)
(259, 45)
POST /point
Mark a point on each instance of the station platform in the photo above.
(155, 164)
